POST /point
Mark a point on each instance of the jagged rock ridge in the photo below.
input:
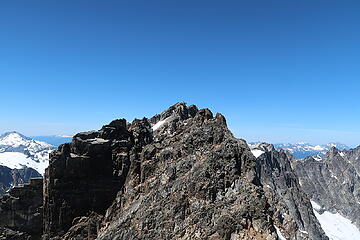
(333, 181)
(293, 214)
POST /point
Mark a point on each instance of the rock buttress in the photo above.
(85, 175)
(21, 212)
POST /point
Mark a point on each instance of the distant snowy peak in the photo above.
(302, 150)
(18, 151)
(12, 140)
(13, 135)
(55, 140)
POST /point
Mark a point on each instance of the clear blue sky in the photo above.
(280, 71)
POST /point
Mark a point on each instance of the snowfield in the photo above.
(19, 160)
(335, 226)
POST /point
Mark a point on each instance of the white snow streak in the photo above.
(158, 124)
(281, 237)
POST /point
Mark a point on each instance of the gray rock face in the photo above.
(293, 213)
(333, 181)
(84, 176)
(21, 211)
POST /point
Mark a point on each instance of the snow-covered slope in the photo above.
(302, 150)
(335, 226)
(18, 151)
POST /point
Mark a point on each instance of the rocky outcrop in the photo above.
(21, 211)
(15, 177)
(8, 234)
(333, 182)
(293, 213)
(85, 175)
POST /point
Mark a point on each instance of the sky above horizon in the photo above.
(280, 71)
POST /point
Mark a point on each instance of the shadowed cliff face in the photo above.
(21, 212)
(333, 181)
(84, 176)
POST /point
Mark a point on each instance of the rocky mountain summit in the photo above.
(178, 175)
(333, 182)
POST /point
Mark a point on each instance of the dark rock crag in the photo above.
(15, 177)
(293, 213)
(21, 212)
(83, 176)
(333, 181)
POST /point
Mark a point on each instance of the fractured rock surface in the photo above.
(21, 211)
(293, 213)
(333, 182)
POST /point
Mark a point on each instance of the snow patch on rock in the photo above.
(159, 124)
(281, 237)
(257, 152)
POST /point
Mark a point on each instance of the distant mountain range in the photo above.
(54, 140)
(302, 150)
